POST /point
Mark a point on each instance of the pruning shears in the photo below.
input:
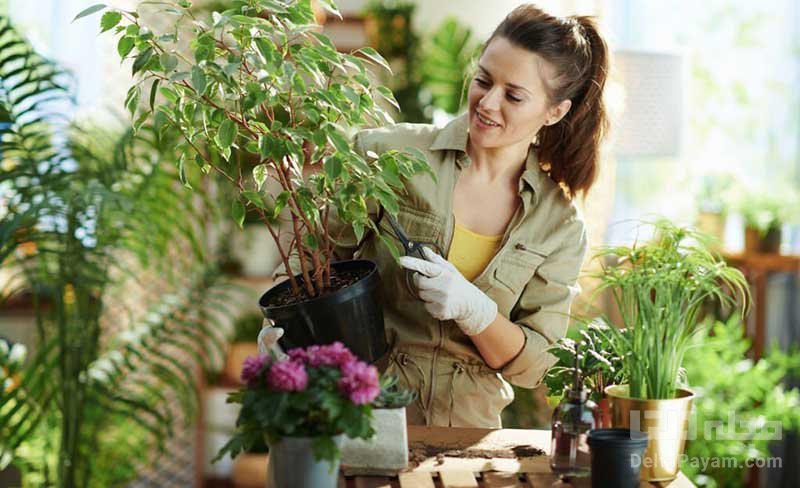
(411, 248)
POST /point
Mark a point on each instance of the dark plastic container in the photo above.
(616, 457)
(352, 315)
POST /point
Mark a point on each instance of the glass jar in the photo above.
(573, 418)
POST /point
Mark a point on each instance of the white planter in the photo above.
(386, 452)
(219, 415)
(214, 441)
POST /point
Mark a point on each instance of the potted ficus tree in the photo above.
(260, 87)
(660, 288)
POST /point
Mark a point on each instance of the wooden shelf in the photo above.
(757, 267)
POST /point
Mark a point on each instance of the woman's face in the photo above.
(508, 103)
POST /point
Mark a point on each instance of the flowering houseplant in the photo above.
(318, 392)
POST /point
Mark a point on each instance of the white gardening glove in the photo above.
(448, 295)
(268, 340)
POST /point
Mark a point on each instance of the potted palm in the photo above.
(260, 87)
(660, 288)
(713, 202)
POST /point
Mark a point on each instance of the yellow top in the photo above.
(471, 252)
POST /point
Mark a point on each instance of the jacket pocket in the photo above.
(419, 225)
(410, 375)
(517, 266)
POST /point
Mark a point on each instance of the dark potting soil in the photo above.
(339, 281)
(418, 452)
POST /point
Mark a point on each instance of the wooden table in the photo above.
(452, 472)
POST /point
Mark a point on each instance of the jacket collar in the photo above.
(454, 136)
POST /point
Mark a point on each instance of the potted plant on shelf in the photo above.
(304, 405)
(599, 367)
(764, 212)
(387, 452)
(660, 288)
(260, 82)
(713, 202)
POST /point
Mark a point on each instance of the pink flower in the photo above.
(251, 366)
(360, 382)
(287, 376)
(298, 354)
(335, 354)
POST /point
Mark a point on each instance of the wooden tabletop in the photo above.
(523, 471)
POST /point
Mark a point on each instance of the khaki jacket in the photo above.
(532, 278)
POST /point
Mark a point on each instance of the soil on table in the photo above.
(340, 279)
(419, 452)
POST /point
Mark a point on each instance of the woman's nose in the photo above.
(491, 100)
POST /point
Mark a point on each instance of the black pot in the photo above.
(352, 315)
(617, 456)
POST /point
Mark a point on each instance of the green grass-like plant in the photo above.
(659, 288)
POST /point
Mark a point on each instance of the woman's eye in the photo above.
(513, 98)
(481, 82)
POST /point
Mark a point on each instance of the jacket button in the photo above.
(520, 246)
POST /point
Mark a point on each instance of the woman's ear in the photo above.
(557, 112)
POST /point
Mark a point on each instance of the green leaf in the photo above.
(168, 62)
(169, 94)
(243, 19)
(185, 3)
(311, 241)
(388, 95)
(227, 133)
(132, 99)
(333, 167)
(338, 141)
(237, 212)
(153, 93)
(254, 198)
(141, 60)
(375, 57)
(137, 124)
(198, 80)
(260, 175)
(264, 147)
(182, 171)
(89, 11)
(125, 45)
(109, 20)
(281, 202)
(329, 6)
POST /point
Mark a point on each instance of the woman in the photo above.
(502, 214)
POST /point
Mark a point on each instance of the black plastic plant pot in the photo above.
(617, 456)
(352, 315)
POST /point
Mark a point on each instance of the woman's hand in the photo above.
(448, 295)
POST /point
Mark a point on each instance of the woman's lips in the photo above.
(484, 122)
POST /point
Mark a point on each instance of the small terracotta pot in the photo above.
(250, 470)
(603, 416)
(770, 243)
(237, 353)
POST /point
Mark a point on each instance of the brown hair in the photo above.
(579, 54)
